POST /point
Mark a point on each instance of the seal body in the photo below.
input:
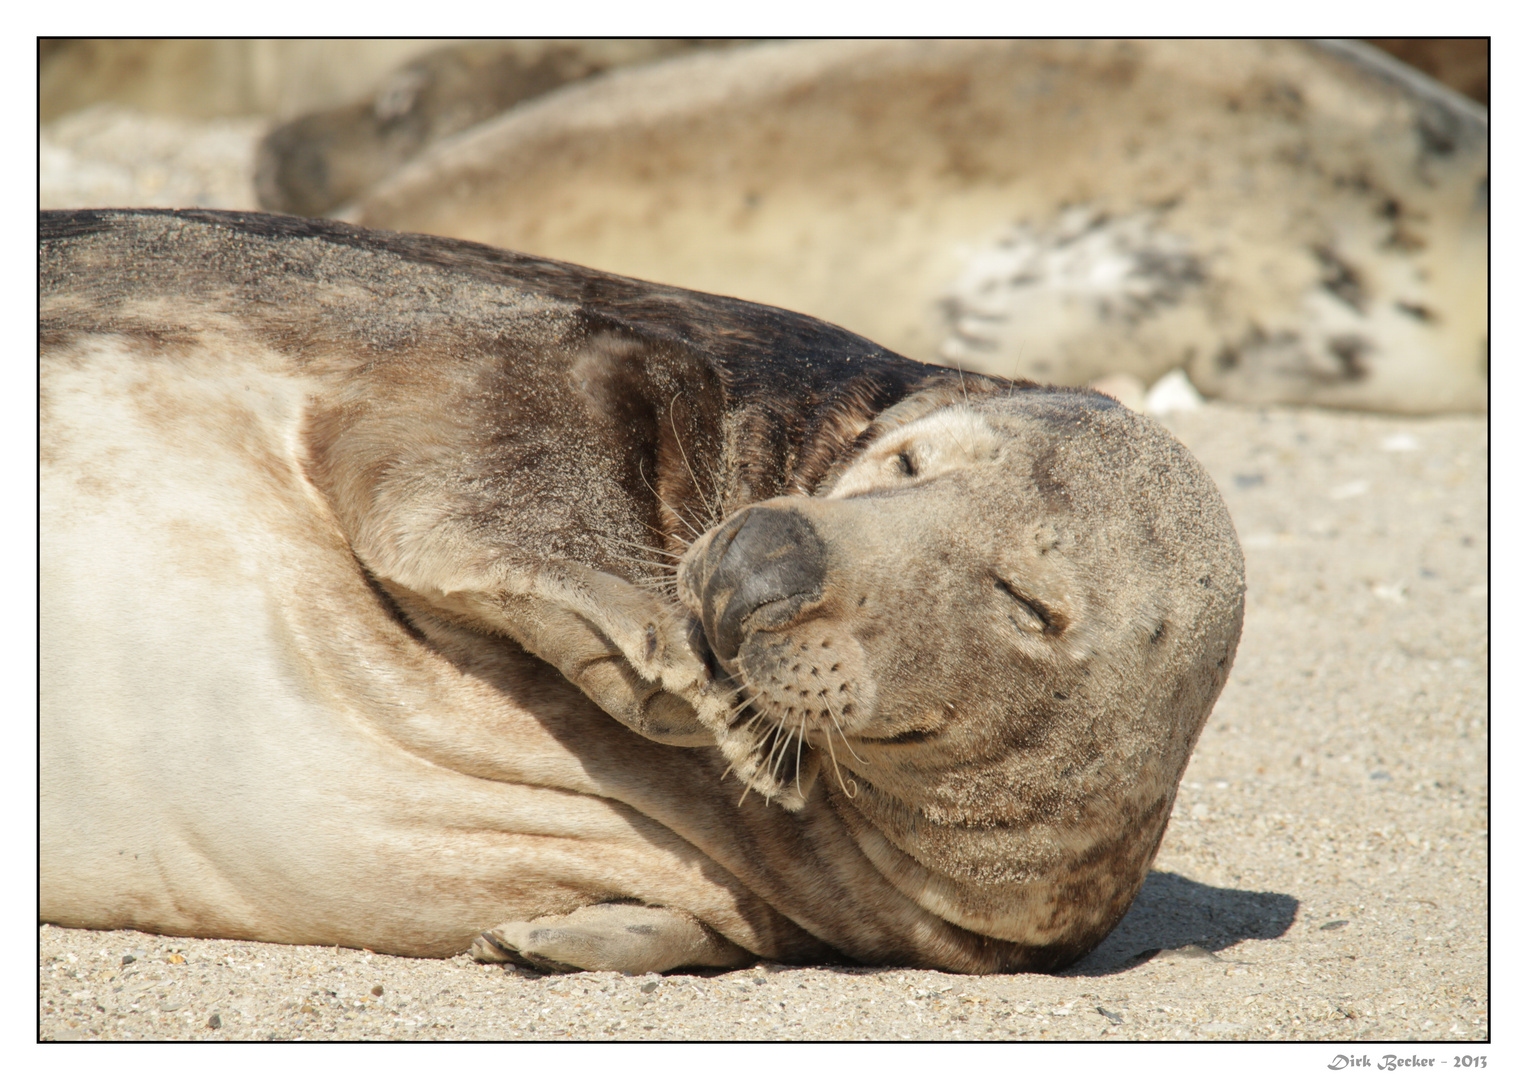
(407, 594)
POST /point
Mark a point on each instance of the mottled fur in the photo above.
(358, 545)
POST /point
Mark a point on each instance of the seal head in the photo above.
(1003, 624)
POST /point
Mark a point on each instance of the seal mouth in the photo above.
(748, 583)
(910, 737)
(759, 587)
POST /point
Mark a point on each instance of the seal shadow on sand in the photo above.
(1172, 912)
(1172, 915)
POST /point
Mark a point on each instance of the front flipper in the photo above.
(637, 657)
(633, 653)
(628, 649)
(629, 938)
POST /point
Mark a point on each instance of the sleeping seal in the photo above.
(404, 593)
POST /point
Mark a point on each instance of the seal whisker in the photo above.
(643, 547)
(772, 741)
(690, 525)
(833, 757)
(778, 753)
(845, 785)
(800, 738)
(710, 505)
(1012, 385)
(666, 567)
(736, 709)
(778, 773)
(844, 735)
(646, 581)
(966, 393)
(736, 712)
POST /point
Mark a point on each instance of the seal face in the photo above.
(994, 624)
(448, 584)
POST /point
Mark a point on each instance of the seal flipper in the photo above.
(629, 938)
(632, 653)
(624, 647)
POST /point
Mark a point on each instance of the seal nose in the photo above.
(760, 569)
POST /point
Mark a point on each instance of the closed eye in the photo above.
(905, 465)
(1027, 613)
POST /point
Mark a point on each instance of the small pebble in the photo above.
(1173, 392)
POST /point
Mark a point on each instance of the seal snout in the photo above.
(756, 573)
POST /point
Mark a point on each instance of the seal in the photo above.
(1330, 249)
(322, 160)
(409, 594)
